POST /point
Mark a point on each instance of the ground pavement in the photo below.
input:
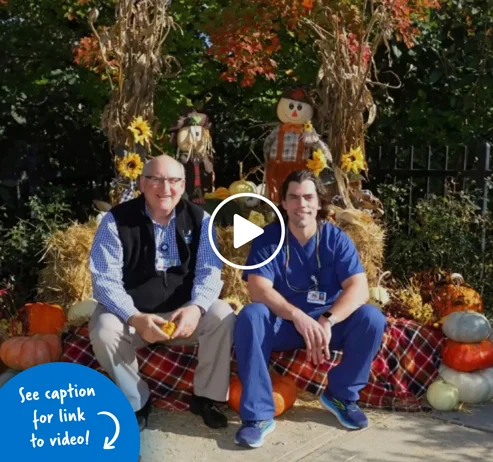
(309, 433)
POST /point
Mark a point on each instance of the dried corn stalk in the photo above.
(132, 53)
(347, 107)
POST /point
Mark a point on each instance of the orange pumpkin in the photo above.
(38, 318)
(284, 393)
(468, 357)
(21, 353)
(456, 296)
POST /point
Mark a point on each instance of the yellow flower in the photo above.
(308, 127)
(130, 166)
(141, 130)
(353, 161)
(318, 163)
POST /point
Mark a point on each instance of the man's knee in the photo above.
(104, 327)
(371, 316)
(253, 313)
(221, 313)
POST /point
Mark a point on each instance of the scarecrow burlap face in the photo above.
(191, 134)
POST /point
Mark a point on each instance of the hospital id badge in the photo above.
(316, 297)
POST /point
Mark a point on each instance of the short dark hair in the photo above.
(298, 176)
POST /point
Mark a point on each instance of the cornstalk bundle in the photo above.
(347, 108)
(131, 52)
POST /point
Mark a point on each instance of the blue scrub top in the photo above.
(338, 258)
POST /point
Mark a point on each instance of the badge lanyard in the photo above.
(313, 278)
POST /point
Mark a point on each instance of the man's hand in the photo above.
(148, 326)
(186, 319)
(315, 337)
(327, 327)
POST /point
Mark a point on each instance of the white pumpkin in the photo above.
(192, 138)
(290, 111)
(474, 387)
(488, 375)
(100, 217)
(443, 396)
(379, 296)
(466, 327)
(82, 310)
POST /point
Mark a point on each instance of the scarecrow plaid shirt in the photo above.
(290, 146)
(403, 369)
(106, 261)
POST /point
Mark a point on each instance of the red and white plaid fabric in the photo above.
(290, 146)
(405, 366)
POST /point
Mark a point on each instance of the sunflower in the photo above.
(318, 163)
(141, 130)
(130, 166)
(353, 161)
(308, 127)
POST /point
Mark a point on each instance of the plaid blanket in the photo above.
(405, 366)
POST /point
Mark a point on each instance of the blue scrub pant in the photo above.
(258, 332)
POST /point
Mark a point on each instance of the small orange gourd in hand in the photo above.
(168, 328)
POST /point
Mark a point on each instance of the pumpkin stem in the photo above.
(384, 275)
(457, 278)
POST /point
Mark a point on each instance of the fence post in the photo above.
(483, 170)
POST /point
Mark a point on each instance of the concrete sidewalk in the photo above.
(307, 433)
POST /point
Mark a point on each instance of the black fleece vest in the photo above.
(157, 291)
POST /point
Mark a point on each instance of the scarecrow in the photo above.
(192, 138)
(293, 144)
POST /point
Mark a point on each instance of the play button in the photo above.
(245, 231)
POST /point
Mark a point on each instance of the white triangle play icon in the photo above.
(244, 231)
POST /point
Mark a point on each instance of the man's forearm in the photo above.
(275, 302)
(349, 301)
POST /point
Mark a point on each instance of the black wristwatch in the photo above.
(328, 315)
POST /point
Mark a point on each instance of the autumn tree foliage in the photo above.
(246, 37)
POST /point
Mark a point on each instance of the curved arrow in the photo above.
(109, 444)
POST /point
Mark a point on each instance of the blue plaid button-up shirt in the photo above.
(106, 264)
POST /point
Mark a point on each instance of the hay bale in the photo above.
(235, 289)
(368, 237)
(66, 278)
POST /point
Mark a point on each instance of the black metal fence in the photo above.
(433, 171)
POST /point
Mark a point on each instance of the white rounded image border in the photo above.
(279, 246)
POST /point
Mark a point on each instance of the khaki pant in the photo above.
(114, 344)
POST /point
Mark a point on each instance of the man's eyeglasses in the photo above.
(157, 180)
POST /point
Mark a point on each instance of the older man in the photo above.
(151, 261)
(312, 295)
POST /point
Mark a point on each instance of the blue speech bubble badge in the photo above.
(65, 411)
